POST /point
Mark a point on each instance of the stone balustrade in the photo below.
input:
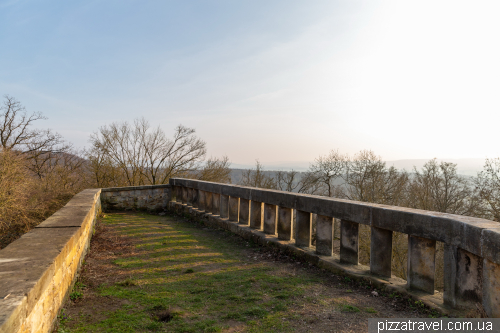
(472, 245)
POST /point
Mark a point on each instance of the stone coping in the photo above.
(478, 236)
(37, 271)
(134, 188)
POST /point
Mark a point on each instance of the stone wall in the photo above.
(38, 270)
(149, 198)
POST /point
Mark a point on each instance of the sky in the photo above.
(280, 81)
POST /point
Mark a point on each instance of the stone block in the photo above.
(349, 242)
(421, 264)
(270, 219)
(381, 252)
(224, 206)
(208, 202)
(201, 200)
(215, 203)
(256, 215)
(304, 228)
(284, 223)
(324, 235)
(343, 209)
(491, 288)
(234, 204)
(244, 216)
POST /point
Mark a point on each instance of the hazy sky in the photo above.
(278, 81)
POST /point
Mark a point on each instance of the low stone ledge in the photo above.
(332, 264)
(38, 270)
(152, 198)
(133, 188)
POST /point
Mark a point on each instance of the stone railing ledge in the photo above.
(132, 188)
(490, 245)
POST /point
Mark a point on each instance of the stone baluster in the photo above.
(177, 193)
(381, 252)
(208, 202)
(244, 216)
(190, 196)
(324, 235)
(201, 200)
(270, 219)
(184, 195)
(224, 206)
(195, 198)
(256, 215)
(233, 209)
(491, 288)
(421, 263)
(215, 203)
(463, 277)
(304, 226)
(349, 242)
(284, 223)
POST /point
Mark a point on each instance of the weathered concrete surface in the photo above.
(201, 200)
(304, 228)
(149, 198)
(349, 242)
(463, 278)
(284, 223)
(270, 219)
(330, 263)
(190, 196)
(38, 270)
(256, 215)
(244, 217)
(224, 206)
(469, 278)
(381, 252)
(491, 288)
(324, 235)
(216, 203)
(184, 195)
(195, 198)
(234, 204)
(421, 263)
(208, 201)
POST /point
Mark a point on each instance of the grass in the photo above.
(205, 277)
(185, 278)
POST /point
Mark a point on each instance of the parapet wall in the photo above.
(38, 270)
(153, 198)
(471, 245)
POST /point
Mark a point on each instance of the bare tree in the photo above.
(287, 180)
(102, 169)
(16, 132)
(145, 155)
(438, 187)
(327, 169)
(368, 179)
(214, 170)
(487, 185)
(257, 178)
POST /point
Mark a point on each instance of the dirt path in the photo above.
(149, 273)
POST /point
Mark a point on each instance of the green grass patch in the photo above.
(183, 278)
(349, 308)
